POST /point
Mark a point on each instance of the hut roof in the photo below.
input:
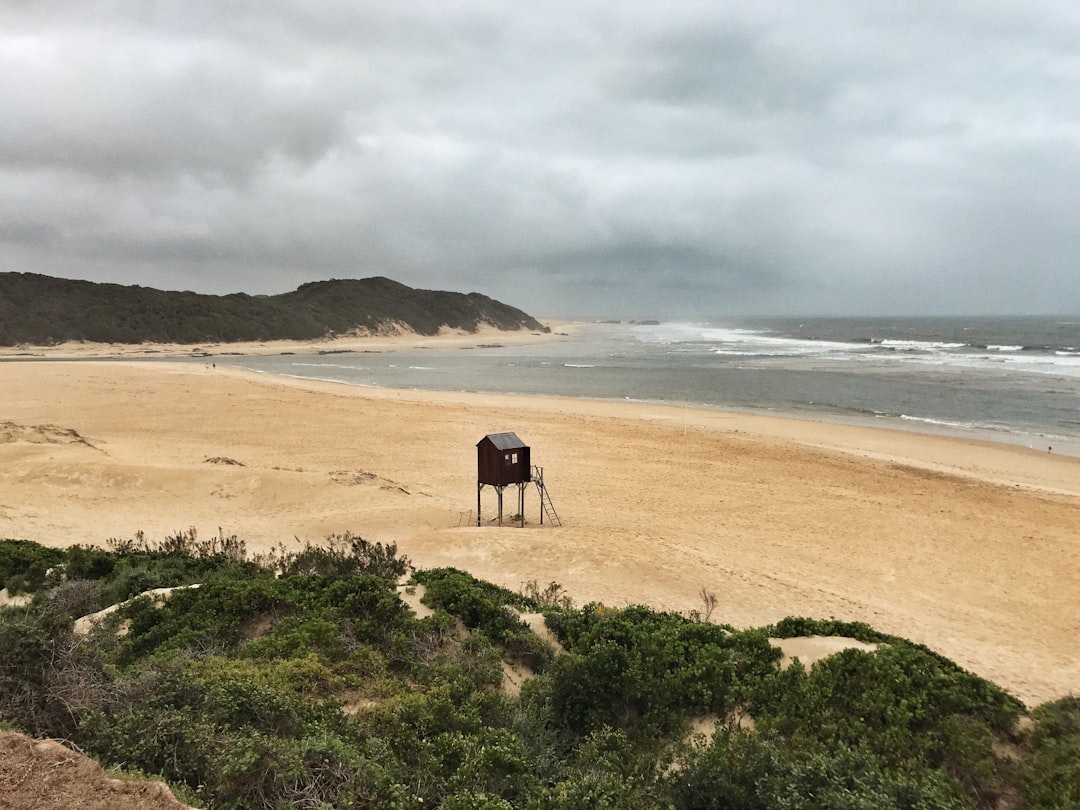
(504, 441)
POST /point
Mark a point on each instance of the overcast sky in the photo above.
(576, 158)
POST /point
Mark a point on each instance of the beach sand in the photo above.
(970, 548)
(389, 341)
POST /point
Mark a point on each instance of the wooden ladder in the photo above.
(546, 506)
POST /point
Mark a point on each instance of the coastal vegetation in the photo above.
(42, 310)
(307, 677)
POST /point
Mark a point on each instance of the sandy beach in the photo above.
(970, 548)
(386, 341)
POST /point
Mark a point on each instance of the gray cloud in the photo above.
(587, 158)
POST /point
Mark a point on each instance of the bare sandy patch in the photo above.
(811, 649)
(413, 596)
(47, 775)
(85, 624)
(14, 600)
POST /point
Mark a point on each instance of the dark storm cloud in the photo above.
(580, 158)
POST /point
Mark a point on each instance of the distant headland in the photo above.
(43, 310)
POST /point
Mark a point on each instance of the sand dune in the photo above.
(970, 548)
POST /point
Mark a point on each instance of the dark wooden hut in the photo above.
(502, 459)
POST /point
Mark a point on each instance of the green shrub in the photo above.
(900, 694)
(84, 562)
(906, 707)
(319, 688)
(637, 667)
(798, 626)
(49, 679)
(235, 740)
(24, 565)
(305, 614)
(341, 556)
(176, 744)
(1054, 777)
(607, 771)
(489, 609)
(750, 771)
(475, 801)
(460, 582)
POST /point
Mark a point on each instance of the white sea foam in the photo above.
(1020, 361)
(921, 345)
(330, 365)
(942, 422)
(740, 342)
(331, 380)
(960, 427)
(722, 342)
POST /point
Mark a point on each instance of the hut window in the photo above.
(513, 458)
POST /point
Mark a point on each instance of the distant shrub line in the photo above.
(301, 679)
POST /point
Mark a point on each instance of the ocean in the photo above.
(1014, 380)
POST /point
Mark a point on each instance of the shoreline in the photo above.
(488, 337)
(966, 546)
(1063, 447)
(445, 339)
(995, 462)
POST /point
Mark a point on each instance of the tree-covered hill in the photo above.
(307, 678)
(43, 310)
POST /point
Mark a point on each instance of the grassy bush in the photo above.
(751, 771)
(302, 615)
(341, 556)
(906, 707)
(489, 609)
(607, 771)
(799, 626)
(639, 668)
(238, 691)
(23, 565)
(1053, 782)
(48, 678)
(127, 568)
